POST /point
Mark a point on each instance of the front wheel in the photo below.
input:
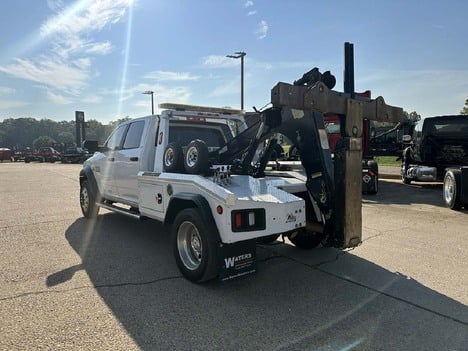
(451, 189)
(195, 246)
(88, 201)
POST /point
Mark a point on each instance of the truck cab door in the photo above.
(104, 167)
(127, 163)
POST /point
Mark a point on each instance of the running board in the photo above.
(119, 210)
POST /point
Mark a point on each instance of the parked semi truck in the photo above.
(199, 171)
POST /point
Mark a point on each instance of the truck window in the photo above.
(115, 139)
(183, 135)
(134, 133)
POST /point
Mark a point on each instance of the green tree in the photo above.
(412, 116)
(43, 140)
(65, 137)
(464, 111)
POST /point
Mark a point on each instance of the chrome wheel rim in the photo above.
(169, 157)
(189, 244)
(449, 186)
(192, 156)
(84, 199)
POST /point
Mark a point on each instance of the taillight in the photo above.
(248, 220)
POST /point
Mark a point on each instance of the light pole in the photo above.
(149, 92)
(240, 54)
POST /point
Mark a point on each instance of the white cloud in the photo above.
(82, 63)
(6, 91)
(92, 99)
(216, 61)
(170, 76)
(98, 48)
(162, 93)
(50, 72)
(251, 13)
(58, 99)
(390, 84)
(226, 89)
(84, 16)
(248, 3)
(65, 69)
(262, 30)
(12, 104)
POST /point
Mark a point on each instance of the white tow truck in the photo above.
(198, 170)
(160, 167)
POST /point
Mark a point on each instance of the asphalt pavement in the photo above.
(68, 283)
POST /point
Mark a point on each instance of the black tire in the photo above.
(27, 159)
(293, 153)
(405, 165)
(173, 159)
(268, 239)
(277, 152)
(307, 239)
(196, 157)
(451, 189)
(376, 187)
(195, 246)
(88, 201)
(374, 167)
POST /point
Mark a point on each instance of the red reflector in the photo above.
(238, 220)
(371, 173)
(219, 209)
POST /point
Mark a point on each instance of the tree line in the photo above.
(20, 133)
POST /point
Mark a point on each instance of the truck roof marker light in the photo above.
(219, 209)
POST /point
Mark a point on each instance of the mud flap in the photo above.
(369, 182)
(237, 260)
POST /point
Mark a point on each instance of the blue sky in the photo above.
(58, 56)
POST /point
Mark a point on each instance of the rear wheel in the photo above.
(374, 168)
(405, 165)
(268, 239)
(451, 189)
(195, 246)
(88, 201)
(307, 238)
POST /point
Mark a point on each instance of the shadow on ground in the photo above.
(394, 192)
(322, 299)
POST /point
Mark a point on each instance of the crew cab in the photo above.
(438, 151)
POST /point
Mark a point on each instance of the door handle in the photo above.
(133, 158)
(111, 159)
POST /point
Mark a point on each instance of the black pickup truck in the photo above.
(438, 151)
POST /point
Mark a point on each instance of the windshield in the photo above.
(456, 127)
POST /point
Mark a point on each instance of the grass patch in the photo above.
(388, 161)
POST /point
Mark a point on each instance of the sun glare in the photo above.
(126, 53)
